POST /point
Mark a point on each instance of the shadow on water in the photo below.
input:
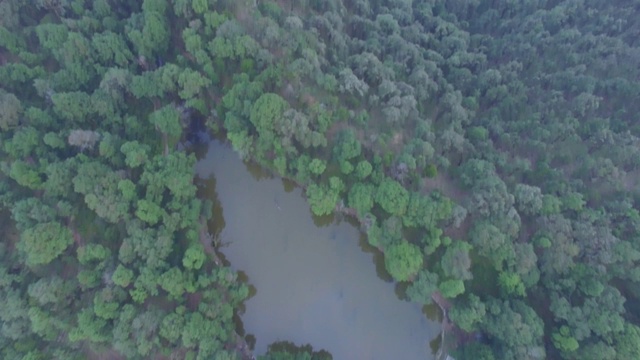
(237, 322)
(323, 221)
(257, 172)
(435, 344)
(401, 290)
(432, 312)
(300, 352)
(251, 341)
(216, 222)
(378, 258)
(288, 185)
(244, 278)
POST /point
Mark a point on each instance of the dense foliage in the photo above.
(103, 256)
(487, 147)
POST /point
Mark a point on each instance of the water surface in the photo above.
(314, 285)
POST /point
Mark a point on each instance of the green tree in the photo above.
(172, 327)
(491, 243)
(511, 284)
(267, 112)
(122, 276)
(200, 6)
(469, 313)
(323, 199)
(528, 198)
(194, 257)
(150, 32)
(456, 261)
(451, 288)
(89, 327)
(403, 260)
(317, 166)
(110, 48)
(167, 121)
(173, 281)
(25, 142)
(10, 110)
(563, 340)
(361, 198)
(627, 342)
(136, 153)
(516, 326)
(423, 287)
(474, 351)
(392, 197)
(363, 169)
(44, 242)
(348, 147)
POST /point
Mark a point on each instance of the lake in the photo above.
(314, 284)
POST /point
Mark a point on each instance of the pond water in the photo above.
(313, 284)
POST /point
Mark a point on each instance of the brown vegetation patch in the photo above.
(445, 185)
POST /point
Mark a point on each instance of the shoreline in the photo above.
(446, 326)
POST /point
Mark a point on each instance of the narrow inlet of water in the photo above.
(314, 285)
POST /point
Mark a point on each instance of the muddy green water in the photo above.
(314, 285)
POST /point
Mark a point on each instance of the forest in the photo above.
(487, 147)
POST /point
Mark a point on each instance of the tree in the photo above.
(348, 147)
(10, 110)
(323, 199)
(361, 198)
(474, 351)
(52, 292)
(317, 166)
(423, 287)
(421, 211)
(511, 284)
(392, 197)
(89, 327)
(200, 6)
(107, 301)
(167, 120)
(25, 142)
(43, 324)
(563, 340)
(172, 327)
(191, 83)
(267, 112)
(136, 153)
(451, 288)
(173, 282)
(515, 325)
(94, 255)
(72, 106)
(468, 313)
(363, 169)
(194, 257)
(350, 83)
(110, 48)
(456, 261)
(403, 260)
(122, 276)
(44, 242)
(149, 32)
(491, 243)
(627, 342)
(528, 198)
